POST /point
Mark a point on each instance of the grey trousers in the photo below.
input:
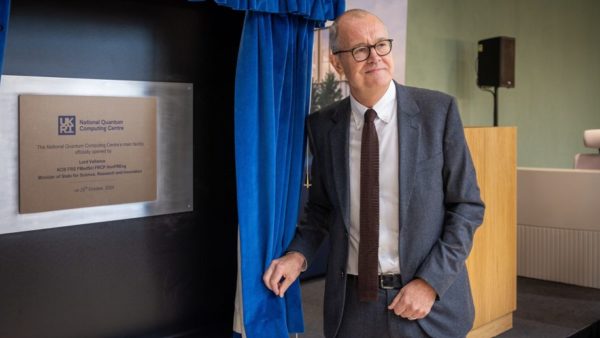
(373, 319)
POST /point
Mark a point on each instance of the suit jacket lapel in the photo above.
(338, 137)
(408, 139)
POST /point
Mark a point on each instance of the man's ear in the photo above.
(336, 63)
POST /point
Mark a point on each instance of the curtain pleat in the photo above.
(272, 97)
(318, 10)
(271, 103)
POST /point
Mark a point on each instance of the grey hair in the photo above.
(334, 30)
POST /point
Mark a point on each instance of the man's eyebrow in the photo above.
(360, 44)
(363, 44)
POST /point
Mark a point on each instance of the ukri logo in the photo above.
(66, 125)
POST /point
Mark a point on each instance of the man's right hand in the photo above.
(283, 272)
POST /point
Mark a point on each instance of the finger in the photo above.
(407, 309)
(270, 279)
(413, 311)
(275, 276)
(267, 277)
(396, 300)
(285, 284)
(402, 308)
(409, 315)
(275, 281)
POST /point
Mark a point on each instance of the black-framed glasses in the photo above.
(361, 53)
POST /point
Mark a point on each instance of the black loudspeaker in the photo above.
(496, 62)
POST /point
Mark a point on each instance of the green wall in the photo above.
(557, 90)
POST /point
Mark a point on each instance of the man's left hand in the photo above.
(414, 301)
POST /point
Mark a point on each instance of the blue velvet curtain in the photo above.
(4, 12)
(272, 84)
(272, 99)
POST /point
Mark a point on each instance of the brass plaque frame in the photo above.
(84, 151)
(174, 150)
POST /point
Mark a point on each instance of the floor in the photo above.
(544, 309)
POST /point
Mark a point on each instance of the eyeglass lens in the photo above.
(381, 48)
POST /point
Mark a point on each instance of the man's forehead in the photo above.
(359, 27)
(360, 18)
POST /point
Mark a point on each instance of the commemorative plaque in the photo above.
(81, 151)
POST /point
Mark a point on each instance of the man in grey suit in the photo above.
(427, 207)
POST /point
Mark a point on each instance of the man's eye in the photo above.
(381, 45)
(361, 50)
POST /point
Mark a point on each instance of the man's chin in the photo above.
(379, 81)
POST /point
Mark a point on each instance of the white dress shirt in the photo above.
(387, 133)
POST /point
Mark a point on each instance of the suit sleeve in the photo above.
(464, 209)
(314, 226)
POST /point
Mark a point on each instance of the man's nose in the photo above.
(373, 56)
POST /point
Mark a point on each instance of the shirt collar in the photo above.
(384, 107)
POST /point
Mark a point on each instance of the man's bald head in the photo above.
(334, 30)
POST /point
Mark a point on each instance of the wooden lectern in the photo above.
(492, 264)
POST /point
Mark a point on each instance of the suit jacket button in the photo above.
(342, 273)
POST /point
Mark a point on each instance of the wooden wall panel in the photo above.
(492, 263)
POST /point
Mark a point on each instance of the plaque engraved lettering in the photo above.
(81, 151)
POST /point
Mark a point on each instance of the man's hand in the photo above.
(283, 272)
(414, 301)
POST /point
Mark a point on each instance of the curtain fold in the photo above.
(272, 100)
(272, 97)
(318, 10)
(272, 88)
(4, 12)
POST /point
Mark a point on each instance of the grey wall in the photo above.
(557, 68)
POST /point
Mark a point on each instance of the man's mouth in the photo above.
(373, 70)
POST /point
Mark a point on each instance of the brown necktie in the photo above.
(369, 210)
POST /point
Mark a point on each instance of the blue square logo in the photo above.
(66, 125)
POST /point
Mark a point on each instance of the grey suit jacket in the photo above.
(440, 205)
